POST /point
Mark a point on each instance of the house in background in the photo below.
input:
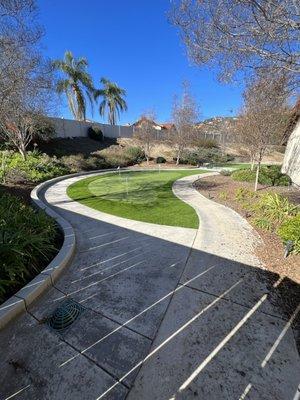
(160, 128)
(291, 161)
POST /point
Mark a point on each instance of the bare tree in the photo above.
(237, 34)
(264, 116)
(146, 133)
(184, 115)
(26, 80)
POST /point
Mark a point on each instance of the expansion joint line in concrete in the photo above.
(171, 297)
(114, 377)
(117, 322)
(235, 302)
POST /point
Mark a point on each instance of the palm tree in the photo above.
(77, 85)
(112, 102)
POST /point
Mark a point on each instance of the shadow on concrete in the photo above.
(161, 321)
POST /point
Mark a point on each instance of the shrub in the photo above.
(36, 168)
(95, 133)
(276, 207)
(268, 175)
(242, 194)
(135, 154)
(225, 172)
(160, 160)
(290, 230)
(272, 175)
(26, 242)
(74, 163)
(115, 156)
(205, 143)
(189, 157)
(243, 175)
(44, 130)
(95, 163)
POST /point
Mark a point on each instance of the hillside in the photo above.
(217, 126)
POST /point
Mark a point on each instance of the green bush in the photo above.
(243, 175)
(290, 230)
(44, 130)
(225, 172)
(203, 155)
(36, 168)
(160, 160)
(26, 243)
(272, 175)
(135, 154)
(95, 133)
(268, 175)
(275, 207)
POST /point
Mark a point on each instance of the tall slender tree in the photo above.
(264, 116)
(77, 84)
(112, 100)
(184, 116)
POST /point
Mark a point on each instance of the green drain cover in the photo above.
(65, 315)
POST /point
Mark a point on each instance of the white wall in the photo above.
(68, 128)
(291, 162)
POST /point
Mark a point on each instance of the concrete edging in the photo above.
(38, 285)
(20, 301)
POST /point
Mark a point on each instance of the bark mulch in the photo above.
(222, 190)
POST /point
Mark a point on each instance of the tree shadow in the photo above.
(165, 321)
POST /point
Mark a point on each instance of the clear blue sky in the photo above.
(132, 43)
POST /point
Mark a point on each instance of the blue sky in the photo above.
(132, 43)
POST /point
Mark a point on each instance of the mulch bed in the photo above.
(271, 252)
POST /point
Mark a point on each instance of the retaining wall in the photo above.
(68, 128)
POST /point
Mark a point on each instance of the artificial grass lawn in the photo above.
(142, 196)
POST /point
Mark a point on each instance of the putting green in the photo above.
(143, 196)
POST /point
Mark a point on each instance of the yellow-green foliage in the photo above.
(273, 212)
(290, 230)
(276, 207)
(223, 195)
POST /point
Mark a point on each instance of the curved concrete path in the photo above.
(170, 313)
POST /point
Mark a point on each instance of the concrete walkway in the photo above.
(170, 313)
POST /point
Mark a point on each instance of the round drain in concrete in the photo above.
(64, 315)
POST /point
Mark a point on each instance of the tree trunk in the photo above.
(252, 163)
(22, 151)
(178, 158)
(147, 158)
(257, 175)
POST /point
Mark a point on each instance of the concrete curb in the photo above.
(20, 301)
(25, 296)
(30, 292)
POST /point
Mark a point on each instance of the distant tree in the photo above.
(113, 101)
(146, 133)
(26, 80)
(77, 84)
(184, 117)
(264, 116)
(238, 35)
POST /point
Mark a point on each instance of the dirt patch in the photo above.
(222, 190)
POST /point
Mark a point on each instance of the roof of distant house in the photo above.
(160, 125)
